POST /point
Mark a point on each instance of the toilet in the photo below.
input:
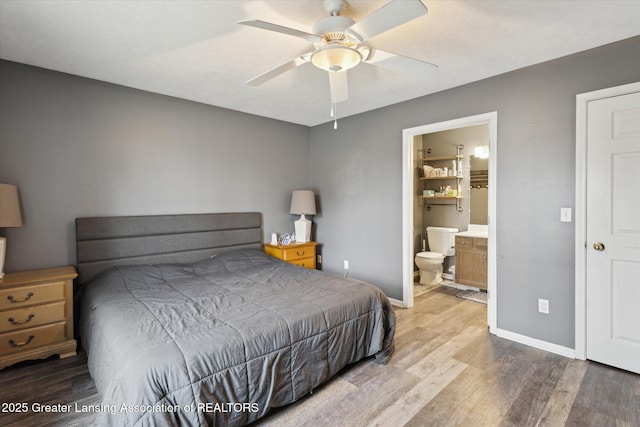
(442, 244)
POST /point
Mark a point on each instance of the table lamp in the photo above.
(303, 202)
(9, 216)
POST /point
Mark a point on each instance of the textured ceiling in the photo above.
(195, 49)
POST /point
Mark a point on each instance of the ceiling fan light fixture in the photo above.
(336, 58)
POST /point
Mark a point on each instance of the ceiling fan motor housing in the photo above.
(333, 24)
(336, 50)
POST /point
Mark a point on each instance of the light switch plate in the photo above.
(565, 214)
(543, 306)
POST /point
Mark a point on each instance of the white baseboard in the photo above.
(396, 302)
(533, 342)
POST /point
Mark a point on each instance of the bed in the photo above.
(186, 321)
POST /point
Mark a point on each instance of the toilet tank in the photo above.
(442, 240)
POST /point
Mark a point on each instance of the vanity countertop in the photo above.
(475, 230)
(483, 234)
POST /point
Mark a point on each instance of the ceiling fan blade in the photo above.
(338, 86)
(391, 15)
(275, 72)
(279, 29)
(400, 63)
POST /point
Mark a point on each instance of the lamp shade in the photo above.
(9, 206)
(303, 202)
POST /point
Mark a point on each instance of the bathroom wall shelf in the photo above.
(442, 163)
(441, 197)
(440, 177)
(434, 158)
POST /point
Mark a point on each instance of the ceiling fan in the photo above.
(339, 42)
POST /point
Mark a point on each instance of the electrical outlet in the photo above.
(543, 306)
(346, 264)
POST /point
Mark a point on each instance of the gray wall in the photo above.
(78, 147)
(358, 172)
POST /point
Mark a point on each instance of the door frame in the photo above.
(408, 191)
(582, 102)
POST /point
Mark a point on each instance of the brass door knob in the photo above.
(598, 246)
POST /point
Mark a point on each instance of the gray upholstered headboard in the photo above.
(126, 240)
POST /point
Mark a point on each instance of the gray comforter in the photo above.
(221, 341)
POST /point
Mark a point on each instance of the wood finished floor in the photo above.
(446, 371)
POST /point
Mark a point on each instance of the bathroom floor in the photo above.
(419, 289)
(477, 296)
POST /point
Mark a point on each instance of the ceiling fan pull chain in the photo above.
(335, 116)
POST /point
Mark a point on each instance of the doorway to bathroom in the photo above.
(449, 202)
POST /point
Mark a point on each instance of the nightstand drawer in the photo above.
(28, 339)
(305, 262)
(291, 254)
(31, 295)
(29, 317)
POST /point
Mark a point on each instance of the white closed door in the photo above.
(613, 231)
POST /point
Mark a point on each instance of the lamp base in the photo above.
(303, 229)
(3, 247)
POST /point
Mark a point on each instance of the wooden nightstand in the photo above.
(36, 315)
(300, 254)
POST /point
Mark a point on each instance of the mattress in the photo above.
(221, 341)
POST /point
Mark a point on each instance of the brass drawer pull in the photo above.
(21, 322)
(12, 343)
(27, 298)
(300, 254)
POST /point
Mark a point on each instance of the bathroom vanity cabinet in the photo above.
(471, 261)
